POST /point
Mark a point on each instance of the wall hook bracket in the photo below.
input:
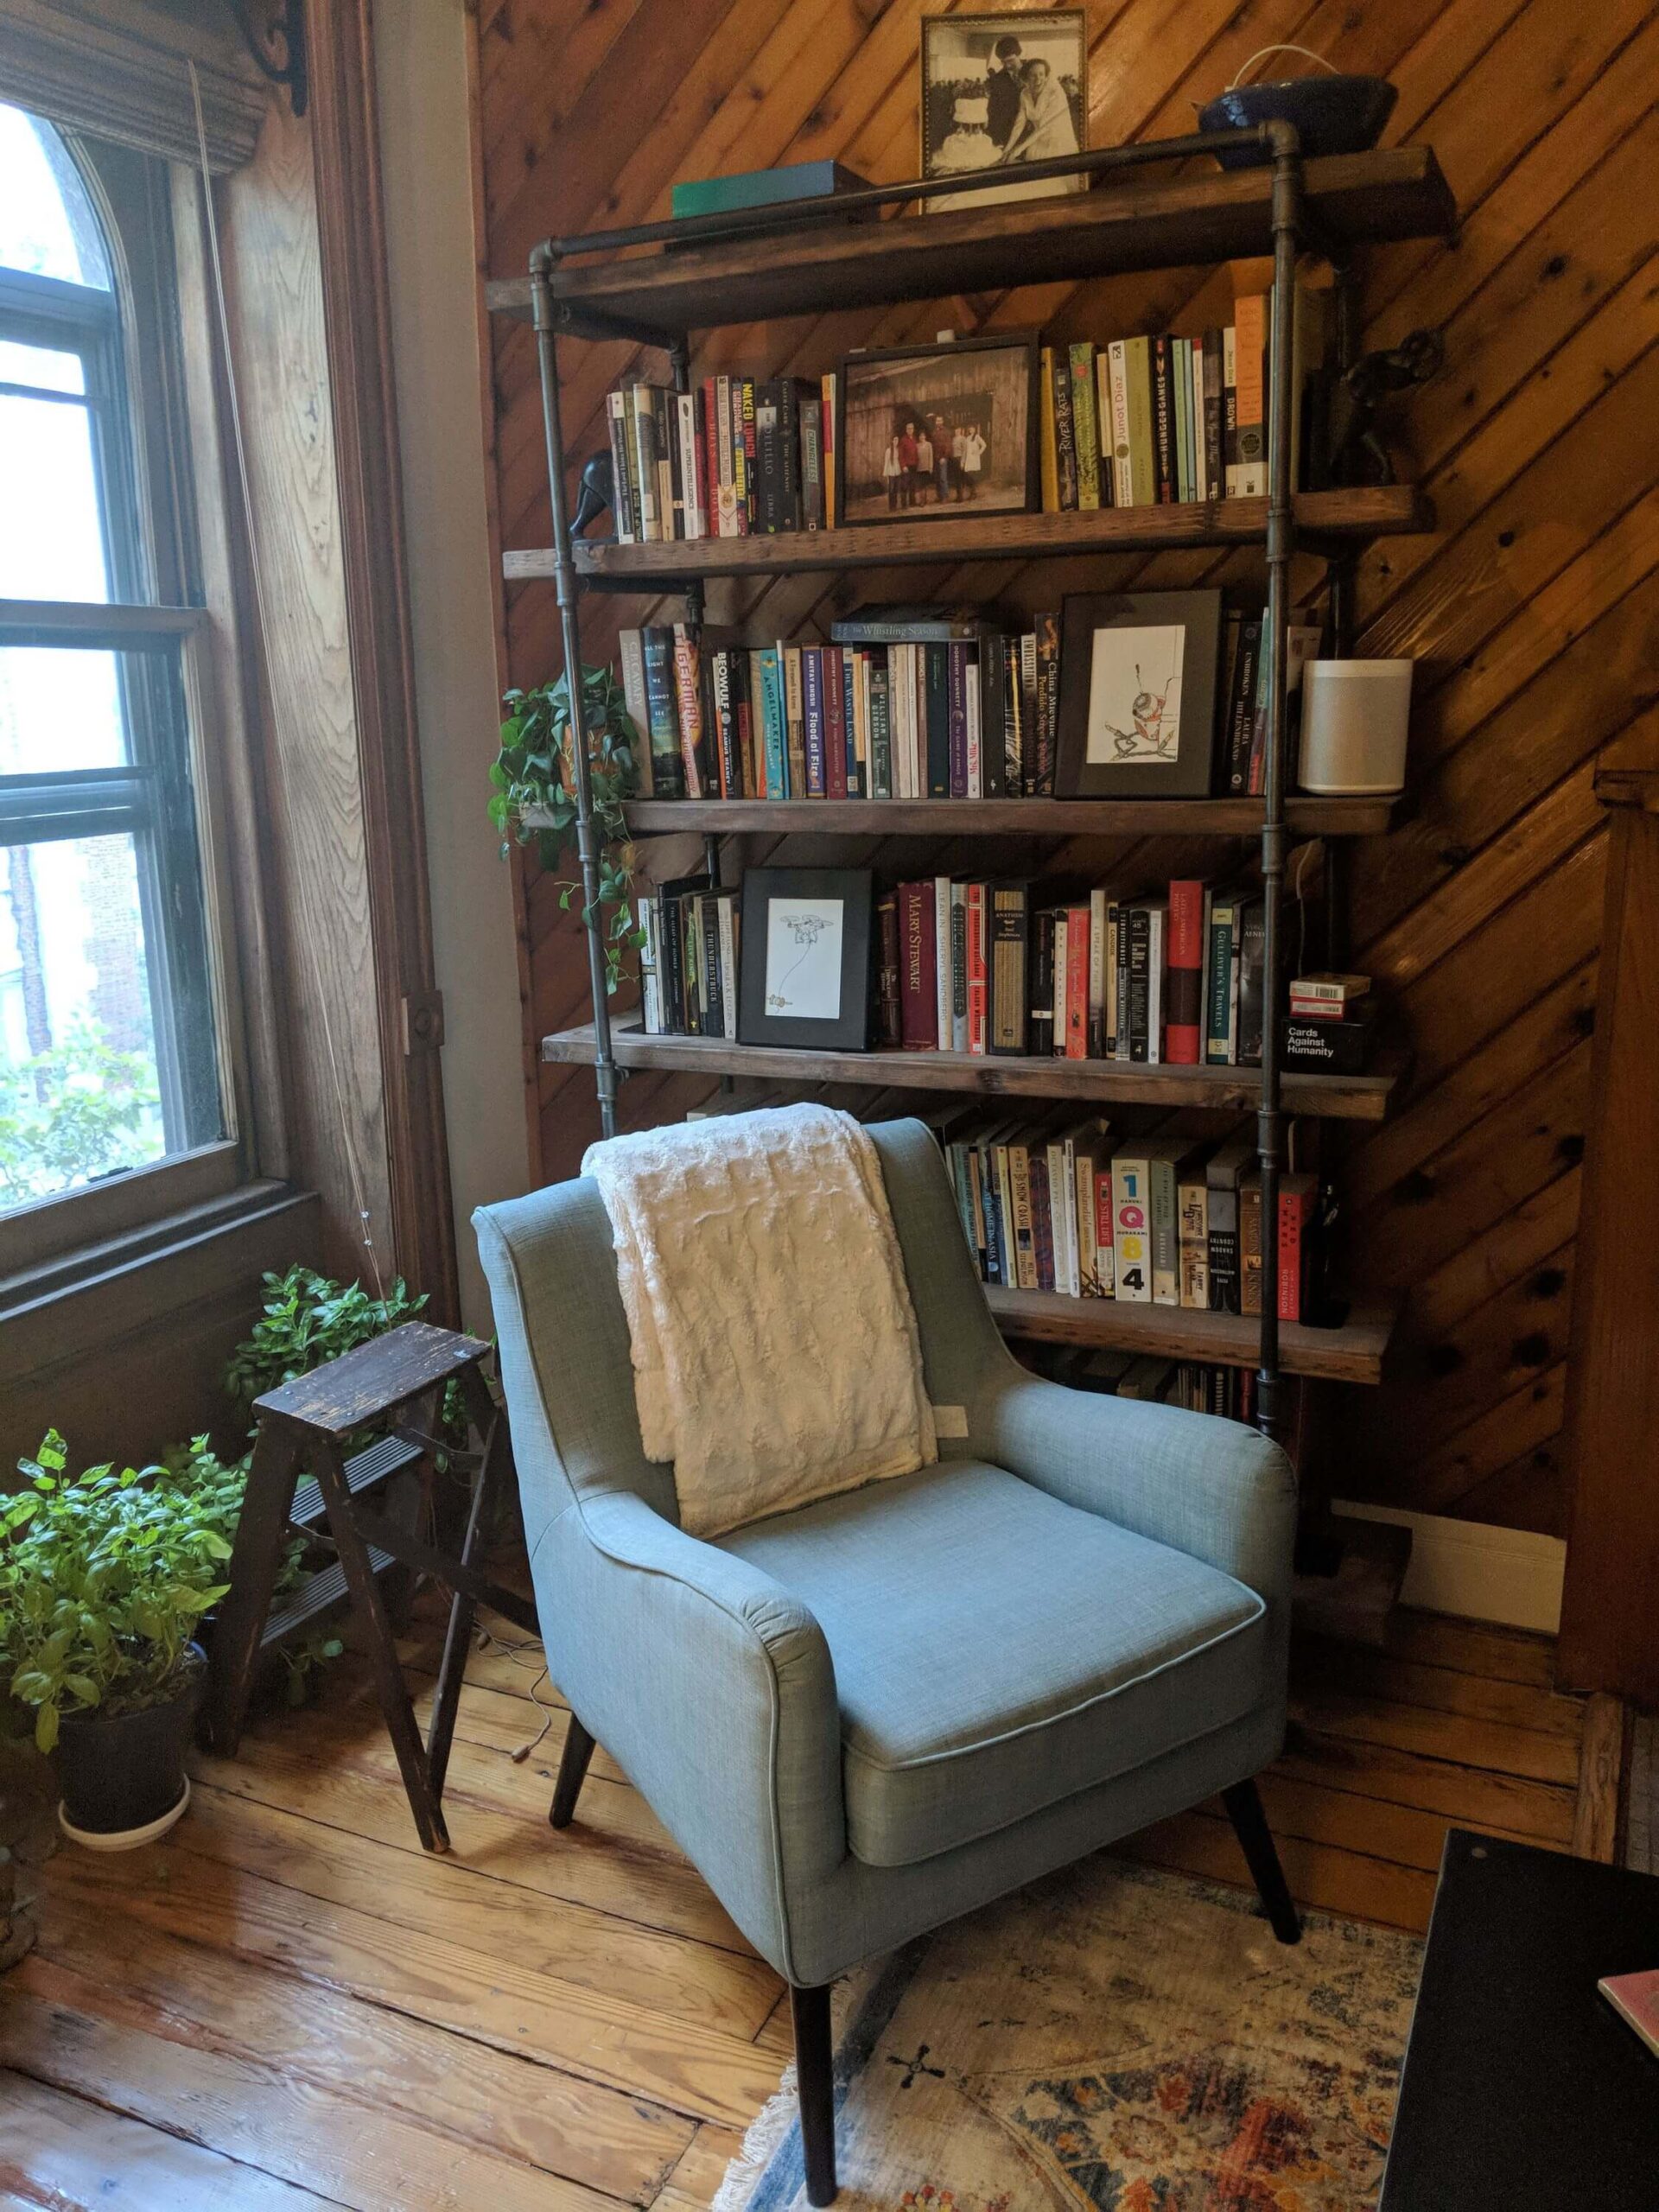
(274, 33)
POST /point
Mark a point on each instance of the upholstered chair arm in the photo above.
(715, 1690)
(1212, 1488)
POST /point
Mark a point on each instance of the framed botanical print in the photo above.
(1001, 91)
(937, 431)
(805, 958)
(1138, 682)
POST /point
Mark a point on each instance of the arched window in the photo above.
(108, 1058)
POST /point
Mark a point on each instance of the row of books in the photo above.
(1199, 1385)
(691, 933)
(1086, 1213)
(733, 458)
(974, 966)
(890, 707)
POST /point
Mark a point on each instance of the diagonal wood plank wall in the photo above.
(1532, 610)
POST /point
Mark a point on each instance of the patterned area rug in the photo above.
(1112, 2039)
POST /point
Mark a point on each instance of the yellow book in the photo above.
(1047, 447)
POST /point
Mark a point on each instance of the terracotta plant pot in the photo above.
(122, 1774)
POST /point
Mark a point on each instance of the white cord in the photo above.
(257, 570)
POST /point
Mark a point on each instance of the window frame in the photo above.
(171, 795)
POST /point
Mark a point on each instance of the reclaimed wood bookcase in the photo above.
(657, 283)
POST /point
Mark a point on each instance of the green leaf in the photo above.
(46, 1729)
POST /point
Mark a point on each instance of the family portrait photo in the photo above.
(999, 92)
(943, 429)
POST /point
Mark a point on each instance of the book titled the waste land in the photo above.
(719, 195)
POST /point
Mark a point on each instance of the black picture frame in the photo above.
(771, 937)
(1116, 740)
(927, 498)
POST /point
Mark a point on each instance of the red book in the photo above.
(919, 995)
(1635, 1998)
(1103, 1225)
(1076, 998)
(1184, 989)
(709, 456)
(1295, 1212)
(979, 974)
(835, 723)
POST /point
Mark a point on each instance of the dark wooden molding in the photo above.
(351, 224)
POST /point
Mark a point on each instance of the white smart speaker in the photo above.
(1356, 716)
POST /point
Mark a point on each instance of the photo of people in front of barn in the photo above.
(947, 430)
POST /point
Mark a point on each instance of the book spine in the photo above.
(771, 721)
(990, 680)
(1139, 949)
(1123, 484)
(631, 655)
(1251, 983)
(687, 685)
(976, 736)
(667, 764)
(622, 498)
(1007, 959)
(1250, 1244)
(881, 726)
(890, 1020)
(1082, 1212)
(767, 493)
(791, 486)
(1241, 710)
(1039, 977)
(1131, 1231)
(812, 717)
(1230, 411)
(919, 992)
(829, 408)
(1137, 353)
(978, 970)
(1048, 449)
(751, 767)
(1221, 1017)
(956, 695)
(938, 722)
(855, 667)
(942, 969)
(1047, 633)
(1105, 1248)
(1183, 1011)
(725, 465)
(685, 409)
(1065, 446)
(1295, 1216)
(643, 424)
(834, 722)
(1103, 420)
(1163, 420)
(1166, 1238)
(1192, 1212)
(1180, 413)
(670, 483)
(959, 967)
(1084, 431)
(809, 432)
(794, 723)
(1078, 972)
(650, 994)
(1043, 1256)
(1223, 1248)
(714, 1023)
(1025, 1242)
(1214, 466)
(1250, 346)
(728, 776)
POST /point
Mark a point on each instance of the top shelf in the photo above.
(1181, 222)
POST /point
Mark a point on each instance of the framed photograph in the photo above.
(999, 92)
(1138, 682)
(805, 958)
(941, 429)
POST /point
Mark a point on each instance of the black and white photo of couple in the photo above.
(1000, 91)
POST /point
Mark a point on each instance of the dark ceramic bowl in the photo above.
(1333, 115)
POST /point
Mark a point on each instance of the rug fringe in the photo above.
(765, 2131)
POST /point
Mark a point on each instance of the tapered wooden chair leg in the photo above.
(1243, 1804)
(573, 1772)
(815, 2081)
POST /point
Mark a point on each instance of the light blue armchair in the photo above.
(864, 1717)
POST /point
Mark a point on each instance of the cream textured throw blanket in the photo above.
(776, 1355)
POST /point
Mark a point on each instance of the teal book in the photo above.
(719, 195)
(774, 733)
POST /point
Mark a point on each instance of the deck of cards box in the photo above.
(1328, 1029)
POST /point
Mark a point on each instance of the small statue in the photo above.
(1357, 454)
(597, 493)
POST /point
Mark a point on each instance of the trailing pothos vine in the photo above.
(535, 796)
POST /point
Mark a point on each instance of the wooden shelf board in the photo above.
(1362, 1097)
(1178, 220)
(1010, 817)
(1352, 1353)
(1368, 510)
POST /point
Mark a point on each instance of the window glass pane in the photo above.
(52, 546)
(80, 1095)
(47, 226)
(60, 708)
(40, 365)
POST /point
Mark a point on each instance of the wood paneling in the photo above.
(1532, 607)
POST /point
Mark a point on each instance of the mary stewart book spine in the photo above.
(1163, 420)
(918, 999)
(1065, 445)
(956, 697)
(1184, 1007)
(1007, 957)
(834, 722)
(812, 717)
(688, 686)
(890, 1030)
(978, 969)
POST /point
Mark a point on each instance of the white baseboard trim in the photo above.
(1481, 1573)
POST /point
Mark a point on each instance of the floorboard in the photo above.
(289, 2005)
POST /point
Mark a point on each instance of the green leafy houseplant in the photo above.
(534, 773)
(104, 1576)
(307, 1320)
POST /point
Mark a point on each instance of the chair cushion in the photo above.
(996, 1650)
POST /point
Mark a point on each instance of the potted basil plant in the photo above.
(103, 1577)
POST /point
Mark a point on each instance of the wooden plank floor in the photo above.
(287, 2004)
